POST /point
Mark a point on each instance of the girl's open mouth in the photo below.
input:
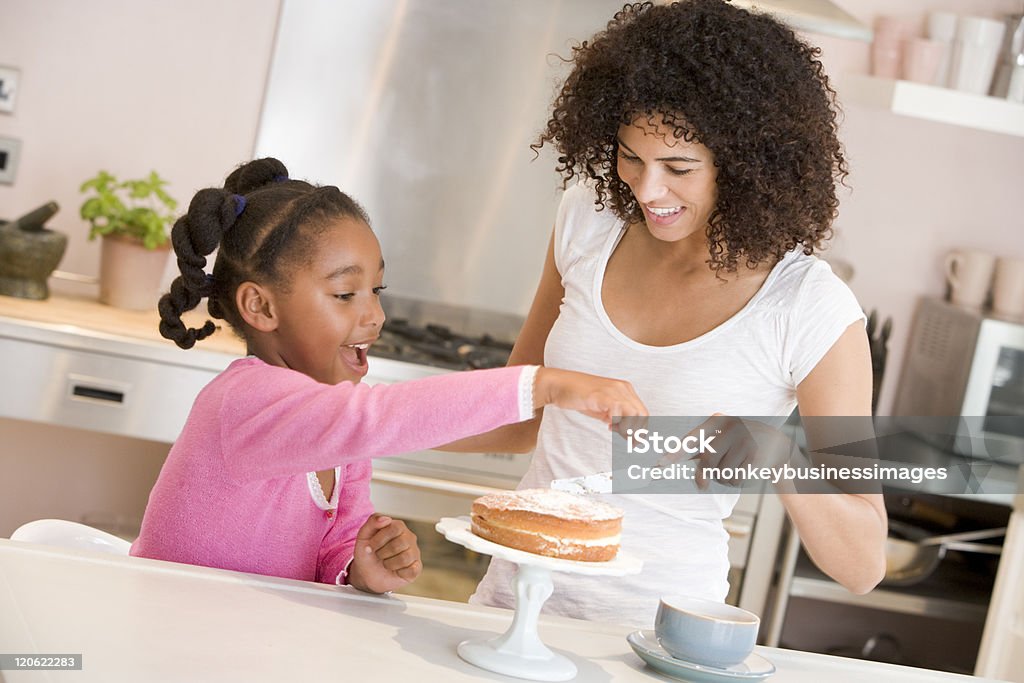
(361, 350)
(355, 355)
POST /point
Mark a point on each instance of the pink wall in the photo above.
(128, 87)
(919, 189)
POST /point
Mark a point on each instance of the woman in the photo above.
(703, 141)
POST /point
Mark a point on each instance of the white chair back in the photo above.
(67, 534)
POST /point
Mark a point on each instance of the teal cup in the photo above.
(705, 632)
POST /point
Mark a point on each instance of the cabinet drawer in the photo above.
(95, 391)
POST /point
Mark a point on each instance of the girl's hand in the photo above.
(386, 555)
(604, 399)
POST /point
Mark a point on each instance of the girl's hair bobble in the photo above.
(239, 204)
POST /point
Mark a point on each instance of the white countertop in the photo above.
(144, 620)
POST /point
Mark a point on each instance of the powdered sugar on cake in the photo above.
(548, 522)
(555, 503)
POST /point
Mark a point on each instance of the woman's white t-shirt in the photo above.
(750, 365)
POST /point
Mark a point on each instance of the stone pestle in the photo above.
(34, 220)
(29, 252)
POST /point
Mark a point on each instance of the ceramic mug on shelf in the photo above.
(886, 57)
(1008, 287)
(969, 273)
(975, 53)
(942, 29)
(887, 49)
(922, 59)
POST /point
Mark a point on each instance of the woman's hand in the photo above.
(386, 555)
(613, 401)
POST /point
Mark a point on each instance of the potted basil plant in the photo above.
(133, 218)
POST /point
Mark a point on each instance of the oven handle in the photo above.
(429, 483)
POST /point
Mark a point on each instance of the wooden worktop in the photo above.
(90, 314)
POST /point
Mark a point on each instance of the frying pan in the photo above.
(911, 555)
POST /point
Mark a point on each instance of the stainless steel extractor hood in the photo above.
(813, 16)
(424, 111)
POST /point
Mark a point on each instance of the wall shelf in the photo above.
(932, 103)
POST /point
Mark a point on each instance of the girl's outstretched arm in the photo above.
(276, 422)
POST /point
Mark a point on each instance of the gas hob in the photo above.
(445, 336)
(437, 345)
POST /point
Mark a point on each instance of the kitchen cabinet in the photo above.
(932, 103)
(86, 381)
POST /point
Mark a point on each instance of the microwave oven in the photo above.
(963, 376)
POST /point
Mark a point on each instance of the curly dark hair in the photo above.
(264, 225)
(740, 83)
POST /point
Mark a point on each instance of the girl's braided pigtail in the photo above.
(195, 236)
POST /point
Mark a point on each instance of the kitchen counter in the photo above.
(133, 619)
(89, 314)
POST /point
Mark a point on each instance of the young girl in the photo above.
(271, 472)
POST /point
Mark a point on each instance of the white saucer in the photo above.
(645, 644)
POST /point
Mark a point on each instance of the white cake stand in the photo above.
(519, 652)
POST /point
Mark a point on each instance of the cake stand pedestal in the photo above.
(519, 651)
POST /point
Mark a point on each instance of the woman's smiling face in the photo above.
(673, 180)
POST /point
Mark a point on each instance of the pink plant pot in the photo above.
(130, 274)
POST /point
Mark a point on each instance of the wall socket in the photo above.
(10, 151)
(8, 88)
